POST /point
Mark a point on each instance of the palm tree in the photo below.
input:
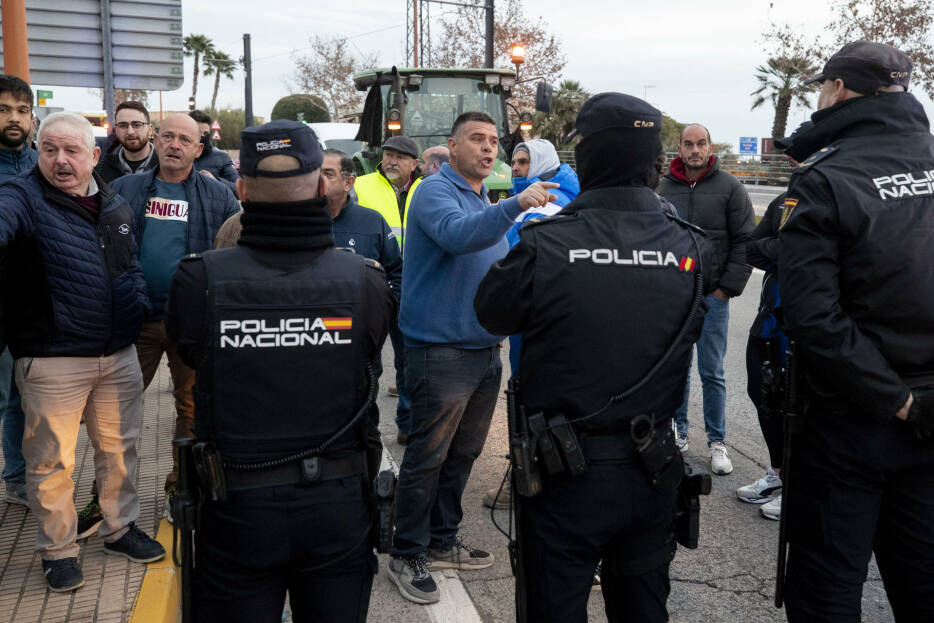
(197, 46)
(220, 64)
(565, 104)
(780, 84)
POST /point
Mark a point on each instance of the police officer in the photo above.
(857, 286)
(280, 330)
(607, 296)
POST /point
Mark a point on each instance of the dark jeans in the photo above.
(771, 424)
(453, 393)
(13, 422)
(860, 486)
(610, 512)
(404, 406)
(312, 541)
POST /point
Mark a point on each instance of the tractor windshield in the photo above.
(432, 109)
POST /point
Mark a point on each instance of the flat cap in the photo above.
(279, 138)
(403, 145)
(865, 66)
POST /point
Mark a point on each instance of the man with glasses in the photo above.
(134, 152)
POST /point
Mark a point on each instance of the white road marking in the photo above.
(455, 606)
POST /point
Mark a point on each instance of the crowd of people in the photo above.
(160, 247)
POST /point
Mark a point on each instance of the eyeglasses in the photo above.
(136, 125)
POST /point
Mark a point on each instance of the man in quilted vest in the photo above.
(67, 245)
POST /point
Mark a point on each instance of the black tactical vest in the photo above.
(613, 281)
(286, 365)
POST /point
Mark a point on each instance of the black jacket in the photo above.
(762, 253)
(111, 165)
(857, 279)
(598, 293)
(718, 204)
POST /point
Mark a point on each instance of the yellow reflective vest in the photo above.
(374, 191)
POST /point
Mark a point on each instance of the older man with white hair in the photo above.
(67, 245)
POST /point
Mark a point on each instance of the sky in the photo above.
(693, 60)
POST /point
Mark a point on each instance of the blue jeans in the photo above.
(711, 349)
(11, 412)
(404, 406)
(453, 393)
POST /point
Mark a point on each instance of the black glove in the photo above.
(921, 413)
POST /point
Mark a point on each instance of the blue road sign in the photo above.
(748, 145)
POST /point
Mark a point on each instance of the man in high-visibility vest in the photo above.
(389, 191)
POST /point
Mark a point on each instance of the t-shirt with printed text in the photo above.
(165, 241)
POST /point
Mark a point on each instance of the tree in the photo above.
(328, 73)
(565, 104)
(220, 64)
(232, 122)
(671, 133)
(311, 107)
(198, 46)
(780, 85)
(905, 24)
(462, 44)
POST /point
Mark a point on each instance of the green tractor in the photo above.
(423, 103)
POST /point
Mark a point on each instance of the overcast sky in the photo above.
(699, 56)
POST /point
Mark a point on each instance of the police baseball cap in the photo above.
(403, 145)
(279, 138)
(865, 66)
(604, 111)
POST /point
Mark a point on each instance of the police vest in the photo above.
(617, 281)
(286, 365)
(374, 191)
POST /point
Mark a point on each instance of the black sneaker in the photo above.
(89, 519)
(63, 575)
(135, 545)
(414, 582)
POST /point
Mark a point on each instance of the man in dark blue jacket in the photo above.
(176, 212)
(67, 245)
(213, 162)
(16, 158)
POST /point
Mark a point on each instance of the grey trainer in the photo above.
(460, 557)
(411, 576)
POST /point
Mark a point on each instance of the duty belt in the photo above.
(304, 472)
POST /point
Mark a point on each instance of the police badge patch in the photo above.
(787, 209)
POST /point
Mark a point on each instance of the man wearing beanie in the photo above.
(857, 286)
(281, 331)
(622, 308)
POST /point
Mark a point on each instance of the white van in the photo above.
(338, 136)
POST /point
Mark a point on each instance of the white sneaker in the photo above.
(762, 490)
(772, 510)
(681, 442)
(719, 459)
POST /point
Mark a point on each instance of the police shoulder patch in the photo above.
(816, 157)
(373, 263)
(191, 257)
(544, 220)
(787, 209)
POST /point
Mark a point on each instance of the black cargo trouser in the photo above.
(610, 512)
(859, 486)
(312, 541)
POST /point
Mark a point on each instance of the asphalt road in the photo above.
(762, 195)
(730, 577)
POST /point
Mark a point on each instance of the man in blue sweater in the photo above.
(452, 365)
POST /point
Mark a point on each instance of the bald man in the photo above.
(433, 158)
(176, 212)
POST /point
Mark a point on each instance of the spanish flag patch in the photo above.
(687, 264)
(788, 208)
(337, 324)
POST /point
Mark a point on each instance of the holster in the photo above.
(657, 451)
(687, 512)
(384, 494)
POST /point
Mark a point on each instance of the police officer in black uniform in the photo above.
(280, 330)
(608, 297)
(858, 291)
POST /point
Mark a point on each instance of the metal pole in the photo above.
(15, 43)
(489, 33)
(107, 45)
(248, 81)
(415, 33)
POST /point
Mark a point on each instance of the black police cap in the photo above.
(865, 66)
(279, 138)
(604, 111)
